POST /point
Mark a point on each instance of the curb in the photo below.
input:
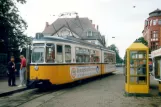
(13, 92)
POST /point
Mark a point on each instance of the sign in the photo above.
(77, 72)
(110, 67)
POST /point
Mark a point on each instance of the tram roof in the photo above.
(69, 40)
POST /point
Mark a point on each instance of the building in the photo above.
(152, 30)
(80, 28)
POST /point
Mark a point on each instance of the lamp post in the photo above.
(113, 37)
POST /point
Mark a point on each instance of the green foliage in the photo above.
(12, 26)
(116, 50)
(142, 40)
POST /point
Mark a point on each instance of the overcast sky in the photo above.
(116, 18)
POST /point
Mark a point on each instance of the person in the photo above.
(142, 71)
(11, 72)
(22, 71)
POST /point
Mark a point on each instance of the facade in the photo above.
(80, 28)
(152, 30)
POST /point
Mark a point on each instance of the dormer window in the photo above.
(89, 33)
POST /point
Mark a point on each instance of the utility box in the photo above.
(137, 69)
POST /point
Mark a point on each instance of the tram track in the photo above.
(19, 100)
(36, 95)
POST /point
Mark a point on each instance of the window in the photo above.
(138, 67)
(89, 33)
(59, 55)
(159, 22)
(96, 56)
(82, 55)
(50, 53)
(109, 57)
(154, 22)
(151, 22)
(67, 53)
(105, 57)
(154, 35)
(38, 55)
(146, 23)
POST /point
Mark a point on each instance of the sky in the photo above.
(116, 18)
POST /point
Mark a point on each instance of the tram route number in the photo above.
(77, 72)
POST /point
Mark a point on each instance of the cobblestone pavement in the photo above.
(105, 92)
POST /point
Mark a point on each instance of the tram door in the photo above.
(28, 59)
(157, 67)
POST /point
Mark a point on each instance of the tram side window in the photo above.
(67, 53)
(113, 58)
(96, 56)
(86, 55)
(82, 55)
(105, 57)
(50, 53)
(79, 54)
(59, 56)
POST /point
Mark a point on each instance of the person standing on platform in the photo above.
(11, 72)
(22, 71)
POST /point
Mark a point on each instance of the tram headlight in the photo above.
(36, 68)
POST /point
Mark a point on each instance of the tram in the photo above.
(57, 60)
(156, 57)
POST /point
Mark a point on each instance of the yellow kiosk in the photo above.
(137, 70)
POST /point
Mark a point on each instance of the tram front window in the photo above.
(38, 55)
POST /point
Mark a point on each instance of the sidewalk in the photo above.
(6, 90)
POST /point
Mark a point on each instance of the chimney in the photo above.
(97, 27)
(91, 21)
(47, 24)
(93, 25)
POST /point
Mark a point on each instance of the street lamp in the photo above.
(113, 37)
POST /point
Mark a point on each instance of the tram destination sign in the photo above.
(77, 72)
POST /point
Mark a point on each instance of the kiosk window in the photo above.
(138, 67)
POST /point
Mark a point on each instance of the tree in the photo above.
(12, 26)
(116, 50)
(141, 40)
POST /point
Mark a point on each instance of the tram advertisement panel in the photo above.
(110, 67)
(77, 72)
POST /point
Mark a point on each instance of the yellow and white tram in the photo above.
(58, 60)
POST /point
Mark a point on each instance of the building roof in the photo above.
(76, 25)
(156, 12)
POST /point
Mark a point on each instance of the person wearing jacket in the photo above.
(11, 72)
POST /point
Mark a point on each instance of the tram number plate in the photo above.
(83, 71)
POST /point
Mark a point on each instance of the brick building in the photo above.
(152, 30)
